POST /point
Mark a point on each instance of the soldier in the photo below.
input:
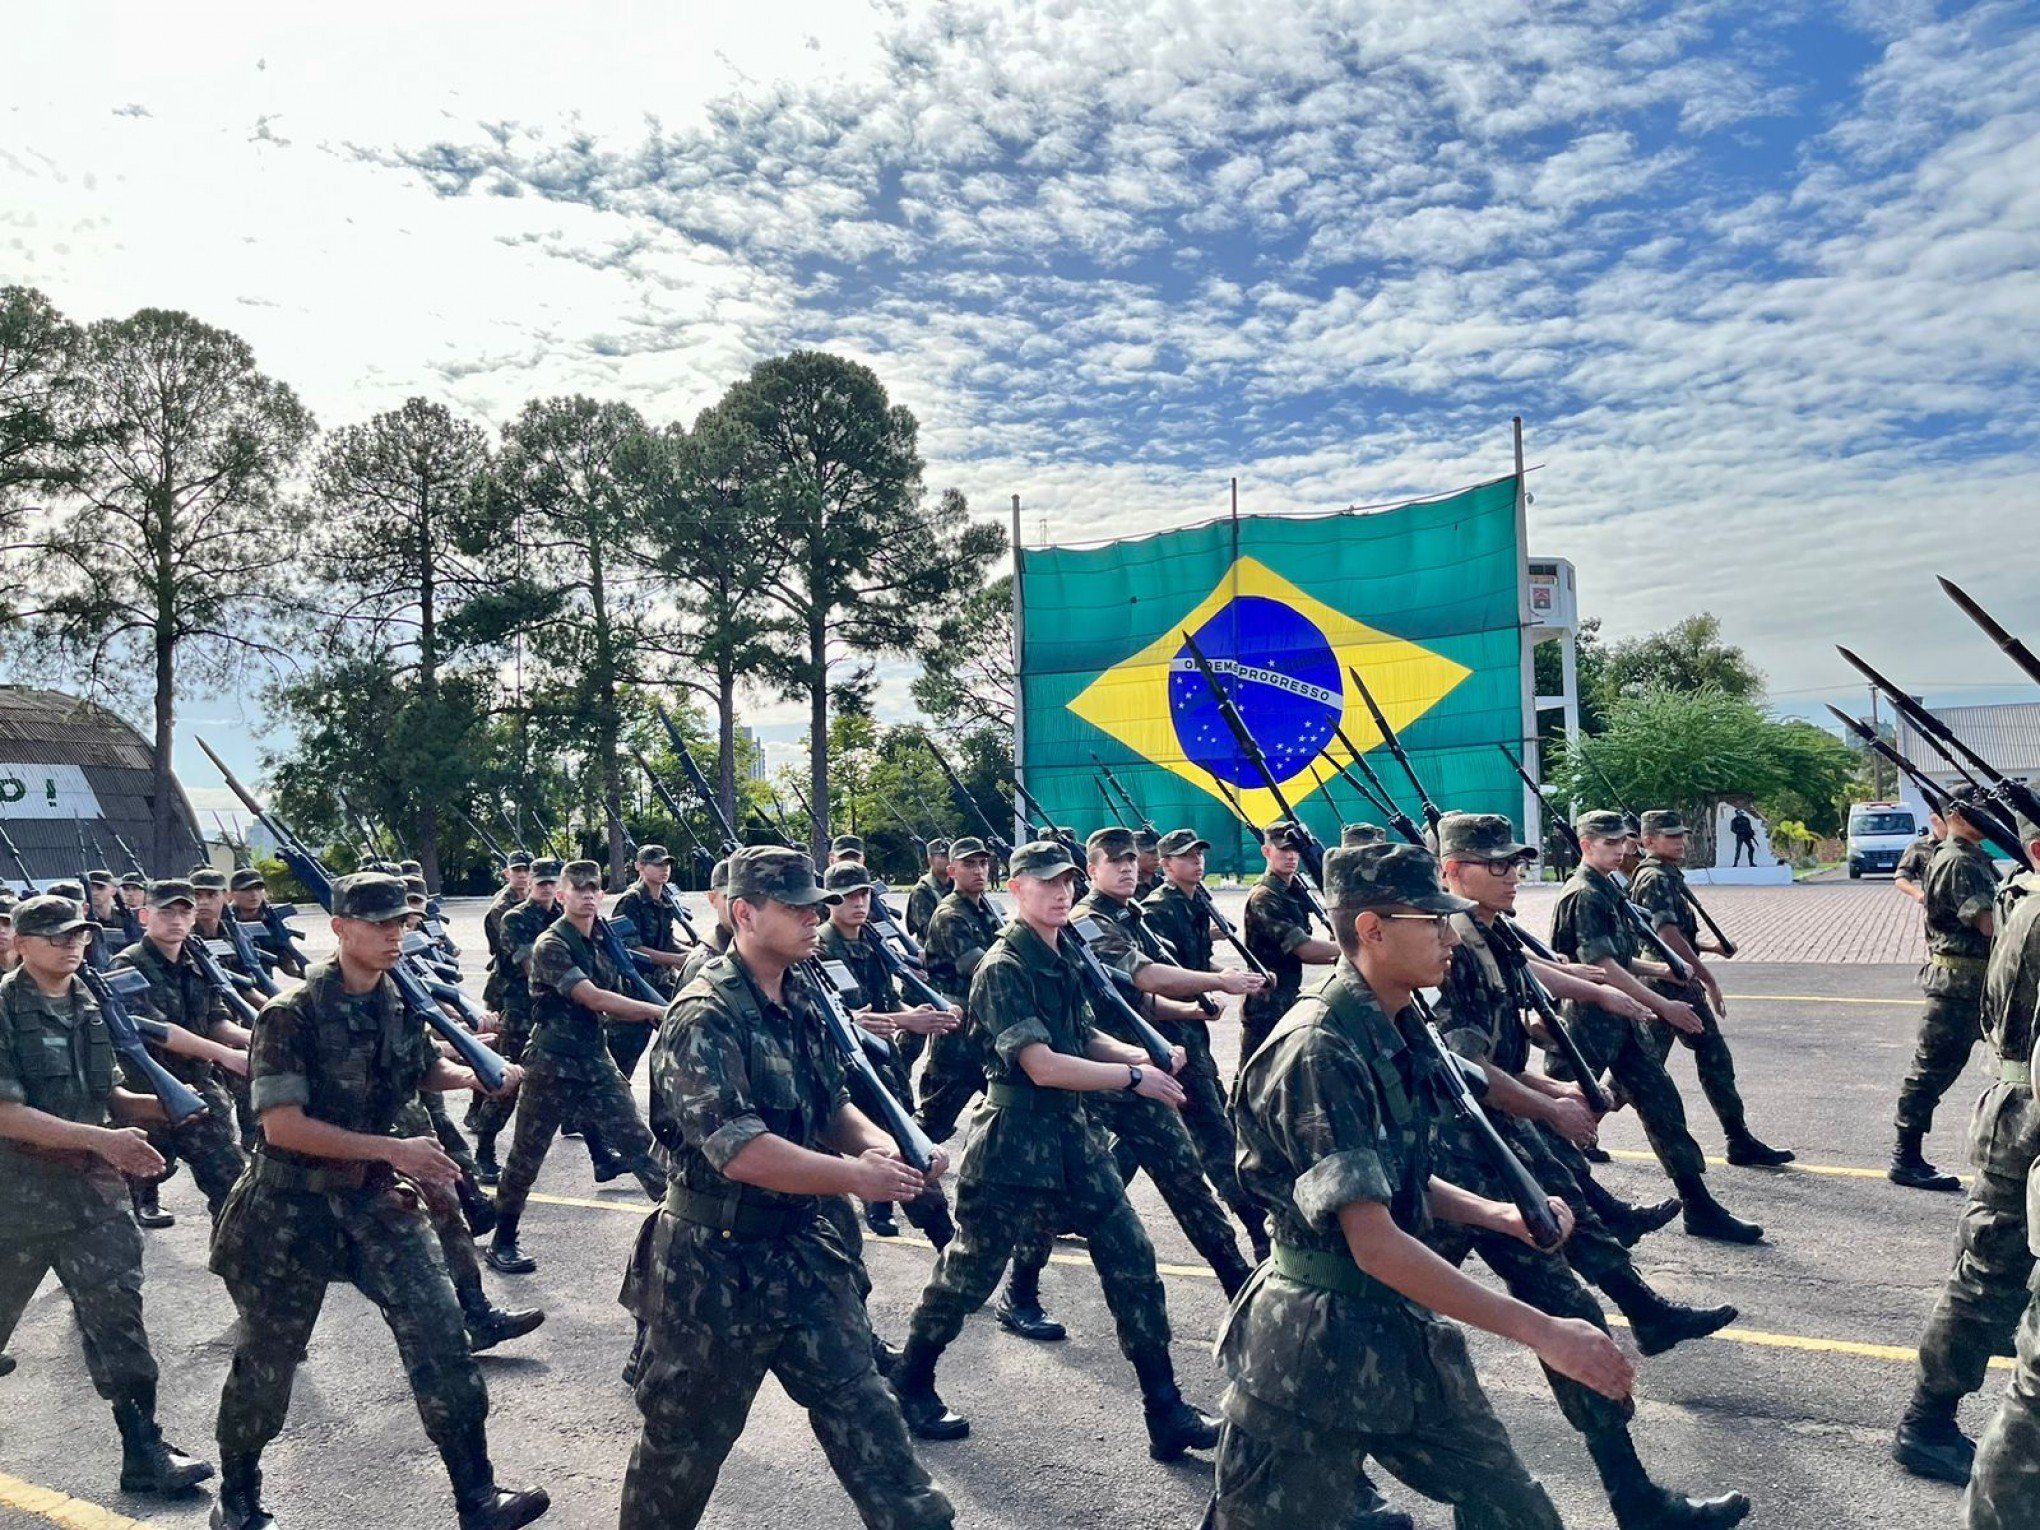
(1591, 925)
(1961, 890)
(1353, 835)
(105, 905)
(846, 847)
(515, 889)
(1660, 890)
(1173, 912)
(742, 1273)
(326, 1200)
(1147, 845)
(209, 890)
(875, 1004)
(249, 895)
(181, 995)
(134, 896)
(1276, 928)
(517, 933)
(1037, 1156)
(1481, 1018)
(62, 1204)
(649, 908)
(958, 934)
(9, 957)
(1909, 876)
(930, 890)
(718, 938)
(568, 1072)
(1335, 1128)
(1980, 1304)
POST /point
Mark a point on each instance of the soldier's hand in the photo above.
(926, 1020)
(232, 1060)
(1511, 1222)
(513, 1075)
(1578, 1349)
(1178, 1059)
(1571, 1119)
(882, 1175)
(884, 1027)
(421, 1159)
(127, 1149)
(1720, 1004)
(1238, 982)
(1157, 1085)
(1616, 1002)
(938, 1165)
(1680, 1017)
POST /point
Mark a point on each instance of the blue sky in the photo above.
(1764, 284)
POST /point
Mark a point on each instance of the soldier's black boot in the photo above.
(1745, 1151)
(1374, 1513)
(931, 1215)
(1173, 1426)
(1708, 1218)
(878, 1216)
(883, 1355)
(149, 1212)
(503, 1254)
(487, 1170)
(483, 1505)
(913, 1383)
(476, 1209)
(1632, 1224)
(607, 1165)
(1640, 1504)
(1909, 1167)
(1019, 1310)
(239, 1506)
(6, 1365)
(489, 1325)
(1657, 1323)
(635, 1365)
(1929, 1442)
(147, 1463)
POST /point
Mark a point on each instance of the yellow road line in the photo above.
(1836, 1170)
(1813, 998)
(62, 1509)
(1754, 1336)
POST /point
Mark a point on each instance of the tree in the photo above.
(43, 432)
(176, 555)
(966, 677)
(1687, 656)
(396, 496)
(869, 561)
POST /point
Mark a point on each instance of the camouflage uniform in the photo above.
(1326, 1366)
(210, 1143)
(928, 893)
(521, 927)
(653, 918)
(2004, 1488)
(492, 937)
(1277, 921)
(1660, 890)
(1961, 883)
(1912, 865)
(735, 1281)
(959, 934)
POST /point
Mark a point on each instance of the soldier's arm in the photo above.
(121, 1147)
(553, 966)
(1976, 890)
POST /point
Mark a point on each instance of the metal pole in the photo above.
(1019, 651)
(1533, 760)
(1876, 760)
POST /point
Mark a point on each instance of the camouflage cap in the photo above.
(1663, 821)
(1042, 859)
(99, 877)
(1385, 876)
(846, 877)
(206, 879)
(652, 855)
(68, 888)
(968, 848)
(1478, 837)
(1353, 835)
(1601, 823)
(938, 847)
(1146, 840)
(245, 879)
(775, 874)
(582, 874)
(133, 879)
(410, 868)
(1110, 844)
(847, 844)
(7, 909)
(719, 875)
(518, 858)
(1183, 842)
(416, 886)
(48, 916)
(545, 869)
(1285, 834)
(374, 897)
(171, 890)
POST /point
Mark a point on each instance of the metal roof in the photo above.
(2008, 735)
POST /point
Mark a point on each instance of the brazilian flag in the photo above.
(1425, 601)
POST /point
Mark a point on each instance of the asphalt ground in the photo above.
(1794, 1404)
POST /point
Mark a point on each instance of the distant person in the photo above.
(1910, 875)
(1745, 834)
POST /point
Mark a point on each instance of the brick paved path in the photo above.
(1850, 922)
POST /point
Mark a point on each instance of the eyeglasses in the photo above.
(1436, 921)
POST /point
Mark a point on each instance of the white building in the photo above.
(2007, 735)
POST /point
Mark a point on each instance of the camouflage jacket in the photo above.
(180, 994)
(1589, 925)
(1024, 993)
(522, 926)
(1480, 1006)
(959, 934)
(1122, 942)
(928, 893)
(1913, 864)
(1660, 891)
(714, 945)
(561, 959)
(1277, 921)
(56, 1057)
(651, 914)
(2011, 982)
(1961, 883)
(875, 987)
(1171, 915)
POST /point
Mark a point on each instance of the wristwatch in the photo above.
(1133, 1078)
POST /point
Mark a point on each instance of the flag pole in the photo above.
(1532, 751)
(1019, 649)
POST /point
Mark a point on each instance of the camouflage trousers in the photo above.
(1950, 1028)
(209, 1145)
(1207, 1118)
(1559, 1169)
(2004, 1486)
(441, 1205)
(992, 1221)
(277, 1250)
(1148, 1135)
(953, 1076)
(1986, 1290)
(591, 1093)
(627, 1043)
(489, 1115)
(1259, 1014)
(722, 1315)
(1277, 1470)
(1619, 1046)
(100, 1269)
(1712, 1062)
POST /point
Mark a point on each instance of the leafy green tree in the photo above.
(178, 544)
(1689, 655)
(44, 431)
(966, 677)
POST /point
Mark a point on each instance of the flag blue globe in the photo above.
(1280, 672)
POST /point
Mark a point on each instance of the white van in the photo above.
(1879, 833)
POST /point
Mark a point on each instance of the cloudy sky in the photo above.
(1764, 283)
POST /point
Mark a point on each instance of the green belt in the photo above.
(735, 1217)
(1025, 1097)
(1331, 1272)
(1954, 963)
(331, 1175)
(2015, 1072)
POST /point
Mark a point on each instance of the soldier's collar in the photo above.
(1356, 1014)
(1032, 949)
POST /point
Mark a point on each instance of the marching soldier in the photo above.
(646, 904)
(1660, 890)
(568, 1072)
(1037, 1156)
(134, 896)
(958, 934)
(1985, 1292)
(1335, 1133)
(1590, 925)
(1147, 845)
(518, 932)
(325, 1200)
(742, 1273)
(249, 895)
(846, 847)
(515, 889)
(933, 887)
(1276, 928)
(63, 1206)
(1960, 898)
(1353, 835)
(1909, 876)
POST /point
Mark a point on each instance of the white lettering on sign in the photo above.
(46, 791)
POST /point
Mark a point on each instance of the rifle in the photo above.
(1126, 796)
(232, 842)
(496, 852)
(1994, 825)
(899, 1123)
(1113, 812)
(1001, 846)
(920, 844)
(1692, 898)
(20, 866)
(1049, 829)
(807, 807)
(410, 983)
(2008, 645)
(1519, 944)
(779, 824)
(1402, 758)
(1108, 1000)
(2014, 794)
(111, 991)
(673, 900)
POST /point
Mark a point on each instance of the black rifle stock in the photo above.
(999, 845)
(1388, 736)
